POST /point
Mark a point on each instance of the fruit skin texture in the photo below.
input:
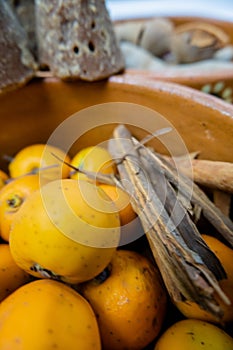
(194, 335)
(46, 314)
(11, 276)
(130, 302)
(225, 255)
(12, 196)
(95, 159)
(36, 156)
(59, 230)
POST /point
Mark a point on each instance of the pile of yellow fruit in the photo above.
(67, 283)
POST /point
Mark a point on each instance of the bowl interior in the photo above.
(32, 113)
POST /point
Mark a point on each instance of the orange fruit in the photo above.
(46, 314)
(67, 230)
(194, 335)
(12, 196)
(40, 157)
(225, 255)
(122, 202)
(11, 276)
(94, 159)
(3, 178)
(129, 300)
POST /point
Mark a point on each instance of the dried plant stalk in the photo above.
(189, 189)
(179, 214)
(209, 173)
(179, 257)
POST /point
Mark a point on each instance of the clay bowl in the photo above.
(215, 81)
(32, 113)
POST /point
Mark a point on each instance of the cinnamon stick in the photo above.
(212, 174)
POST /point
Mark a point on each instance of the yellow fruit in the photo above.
(225, 255)
(40, 156)
(3, 178)
(129, 300)
(11, 276)
(122, 202)
(12, 196)
(47, 315)
(94, 159)
(66, 230)
(194, 335)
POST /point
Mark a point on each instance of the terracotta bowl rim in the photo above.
(137, 81)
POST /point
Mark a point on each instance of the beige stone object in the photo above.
(17, 65)
(76, 39)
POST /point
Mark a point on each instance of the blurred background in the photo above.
(220, 9)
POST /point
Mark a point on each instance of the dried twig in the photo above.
(209, 173)
(109, 179)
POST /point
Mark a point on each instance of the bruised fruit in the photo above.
(94, 159)
(129, 300)
(40, 157)
(12, 197)
(11, 276)
(194, 335)
(46, 314)
(67, 231)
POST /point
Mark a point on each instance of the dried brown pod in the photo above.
(188, 267)
(76, 39)
(17, 65)
(195, 41)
